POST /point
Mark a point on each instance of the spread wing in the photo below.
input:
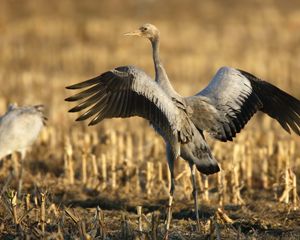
(125, 92)
(233, 96)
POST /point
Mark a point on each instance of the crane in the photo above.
(19, 129)
(221, 109)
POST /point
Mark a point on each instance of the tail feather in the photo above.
(41, 108)
(207, 164)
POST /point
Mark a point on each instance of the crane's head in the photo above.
(146, 30)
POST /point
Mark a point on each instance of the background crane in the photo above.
(19, 129)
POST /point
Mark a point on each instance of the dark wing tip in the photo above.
(86, 83)
(74, 109)
(69, 99)
(277, 103)
(82, 117)
(70, 87)
(91, 123)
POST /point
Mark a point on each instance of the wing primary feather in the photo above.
(86, 93)
(93, 110)
(90, 101)
(84, 84)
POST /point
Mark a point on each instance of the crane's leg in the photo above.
(20, 183)
(195, 194)
(172, 157)
(169, 213)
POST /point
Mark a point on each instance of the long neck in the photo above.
(161, 76)
(156, 59)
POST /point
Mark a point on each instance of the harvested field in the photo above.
(111, 181)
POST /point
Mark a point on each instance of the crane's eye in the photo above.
(143, 29)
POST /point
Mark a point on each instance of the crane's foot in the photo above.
(169, 217)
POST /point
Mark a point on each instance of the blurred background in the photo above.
(47, 45)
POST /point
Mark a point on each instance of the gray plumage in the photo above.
(222, 109)
(233, 97)
(19, 128)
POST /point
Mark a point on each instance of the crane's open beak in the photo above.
(134, 33)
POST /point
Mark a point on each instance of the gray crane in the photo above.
(19, 129)
(222, 108)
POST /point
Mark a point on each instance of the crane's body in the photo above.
(19, 129)
(222, 109)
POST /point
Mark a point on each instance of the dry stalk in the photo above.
(223, 217)
(36, 206)
(84, 168)
(290, 181)
(242, 162)
(104, 171)
(86, 143)
(271, 138)
(53, 138)
(263, 154)
(137, 183)
(154, 226)
(27, 202)
(139, 213)
(181, 175)
(280, 160)
(13, 203)
(186, 176)
(199, 181)
(94, 138)
(100, 217)
(120, 148)
(43, 212)
(149, 177)
(113, 170)
(113, 157)
(156, 148)
(160, 172)
(249, 170)
(126, 172)
(205, 190)
(68, 161)
(128, 159)
(113, 174)
(285, 195)
(222, 183)
(236, 195)
(140, 148)
(53, 209)
(292, 149)
(297, 162)
(295, 194)
(129, 148)
(95, 166)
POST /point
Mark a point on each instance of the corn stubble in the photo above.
(112, 181)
